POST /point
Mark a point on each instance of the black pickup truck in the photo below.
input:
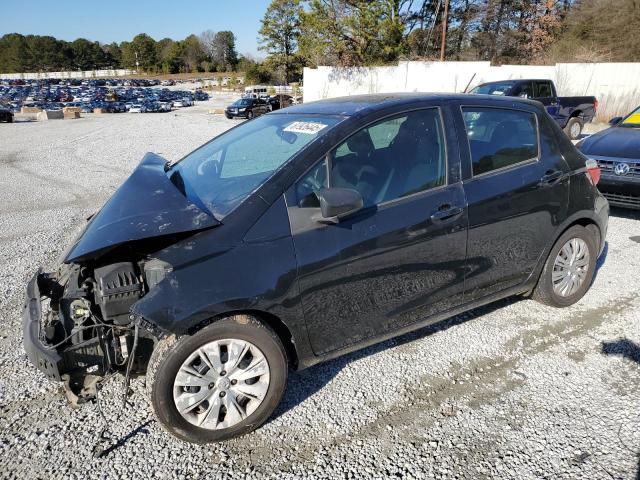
(571, 113)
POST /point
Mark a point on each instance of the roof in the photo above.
(364, 104)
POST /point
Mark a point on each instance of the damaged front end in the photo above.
(77, 322)
(78, 329)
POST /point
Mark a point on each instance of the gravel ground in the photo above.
(514, 390)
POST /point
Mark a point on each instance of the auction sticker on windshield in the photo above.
(310, 128)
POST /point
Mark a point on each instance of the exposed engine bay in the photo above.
(88, 324)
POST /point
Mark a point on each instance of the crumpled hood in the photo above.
(617, 142)
(146, 205)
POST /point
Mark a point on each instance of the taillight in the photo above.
(595, 105)
(594, 171)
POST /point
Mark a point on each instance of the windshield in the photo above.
(632, 120)
(242, 102)
(493, 88)
(219, 175)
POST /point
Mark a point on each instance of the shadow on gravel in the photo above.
(623, 348)
(103, 452)
(302, 385)
(601, 260)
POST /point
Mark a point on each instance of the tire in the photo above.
(545, 292)
(573, 128)
(171, 354)
(249, 114)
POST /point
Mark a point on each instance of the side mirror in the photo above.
(337, 203)
(524, 95)
(615, 120)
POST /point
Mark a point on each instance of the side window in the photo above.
(499, 138)
(314, 180)
(543, 90)
(393, 158)
(525, 90)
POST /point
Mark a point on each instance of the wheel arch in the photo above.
(576, 113)
(272, 321)
(584, 219)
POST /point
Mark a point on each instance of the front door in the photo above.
(402, 257)
(545, 94)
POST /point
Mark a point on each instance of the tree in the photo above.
(113, 54)
(354, 32)
(208, 43)
(86, 55)
(279, 36)
(14, 53)
(257, 74)
(595, 31)
(140, 51)
(192, 53)
(164, 57)
(225, 54)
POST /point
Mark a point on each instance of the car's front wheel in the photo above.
(569, 269)
(220, 383)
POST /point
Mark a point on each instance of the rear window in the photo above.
(499, 137)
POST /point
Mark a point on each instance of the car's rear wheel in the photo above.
(573, 129)
(569, 269)
(220, 383)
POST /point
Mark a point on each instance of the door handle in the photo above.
(446, 212)
(551, 177)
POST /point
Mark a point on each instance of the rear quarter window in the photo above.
(499, 137)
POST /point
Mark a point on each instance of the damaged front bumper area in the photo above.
(42, 355)
(67, 340)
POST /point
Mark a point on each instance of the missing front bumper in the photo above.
(45, 358)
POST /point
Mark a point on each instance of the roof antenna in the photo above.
(467, 87)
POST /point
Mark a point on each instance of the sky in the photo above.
(118, 20)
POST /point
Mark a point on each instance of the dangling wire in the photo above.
(127, 376)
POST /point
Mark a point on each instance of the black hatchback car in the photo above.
(247, 108)
(307, 233)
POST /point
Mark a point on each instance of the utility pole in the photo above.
(445, 21)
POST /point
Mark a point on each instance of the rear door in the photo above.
(516, 185)
(401, 258)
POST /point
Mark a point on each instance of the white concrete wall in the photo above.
(81, 74)
(616, 85)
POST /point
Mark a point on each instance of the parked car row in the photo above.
(104, 94)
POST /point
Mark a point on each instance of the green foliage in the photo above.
(279, 35)
(600, 30)
(256, 74)
(299, 33)
(353, 32)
